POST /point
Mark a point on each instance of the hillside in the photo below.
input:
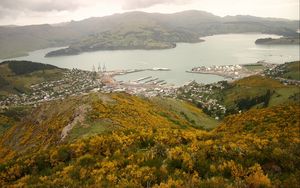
(77, 117)
(114, 143)
(134, 38)
(66, 134)
(178, 27)
(16, 77)
(289, 70)
(223, 98)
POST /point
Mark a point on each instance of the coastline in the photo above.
(234, 71)
(201, 39)
(212, 73)
(50, 55)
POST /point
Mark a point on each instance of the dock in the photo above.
(152, 80)
(144, 78)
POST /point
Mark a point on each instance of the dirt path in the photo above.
(78, 117)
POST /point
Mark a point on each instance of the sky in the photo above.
(26, 12)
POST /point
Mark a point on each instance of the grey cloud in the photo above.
(69, 5)
(3, 12)
(8, 13)
(135, 4)
(40, 5)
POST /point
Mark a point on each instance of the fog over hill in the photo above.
(145, 30)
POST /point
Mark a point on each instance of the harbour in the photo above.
(232, 49)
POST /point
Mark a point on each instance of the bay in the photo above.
(229, 49)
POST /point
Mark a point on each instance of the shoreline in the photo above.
(233, 71)
(212, 73)
(201, 39)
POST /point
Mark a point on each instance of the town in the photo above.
(234, 71)
(80, 82)
(205, 96)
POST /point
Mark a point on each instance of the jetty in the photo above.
(144, 78)
(152, 80)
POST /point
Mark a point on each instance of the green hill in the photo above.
(17, 76)
(241, 95)
(289, 70)
(130, 37)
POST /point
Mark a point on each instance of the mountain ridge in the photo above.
(193, 23)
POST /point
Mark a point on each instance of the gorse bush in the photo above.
(263, 153)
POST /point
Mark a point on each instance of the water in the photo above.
(216, 50)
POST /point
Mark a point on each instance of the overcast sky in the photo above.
(24, 12)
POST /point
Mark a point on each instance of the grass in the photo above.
(89, 129)
(293, 71)
(283, 95)
(192, 114)
(13, 83)
(258, 81)
(250, 87)
(254, 67)
(255, 87)
(37, 77)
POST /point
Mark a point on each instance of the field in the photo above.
(254, 67)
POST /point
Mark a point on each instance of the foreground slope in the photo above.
(30, 129)
(253, 149)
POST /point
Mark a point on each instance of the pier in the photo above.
(144, 78)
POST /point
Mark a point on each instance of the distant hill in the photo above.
(279, 41)
(107, 32)
(26, 67)
(17, 76)
(134, 38)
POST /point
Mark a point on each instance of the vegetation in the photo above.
(90, 115)
(120, 140)
(17, 76)
(290, 70)
(135, 38)
(26, 67)
(241, 95)
(254, 67)
(259, 148)
(189, 112)
(279, 41)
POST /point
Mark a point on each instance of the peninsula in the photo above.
(279, 41)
